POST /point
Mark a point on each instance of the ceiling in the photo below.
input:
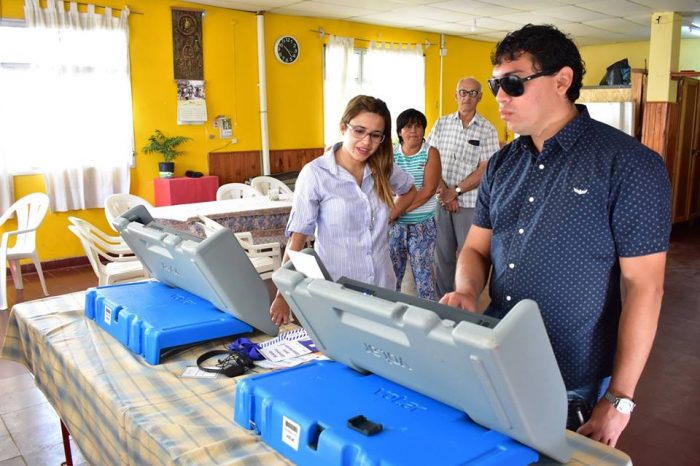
(588, 21)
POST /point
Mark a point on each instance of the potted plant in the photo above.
(162, 144)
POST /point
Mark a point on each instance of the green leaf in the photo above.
(162, 144)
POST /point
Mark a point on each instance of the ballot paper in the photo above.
(284, 350)
(291, 362)
(306, 264)
(287, 345)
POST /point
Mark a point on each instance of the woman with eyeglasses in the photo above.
(413, 235)
(346, 199)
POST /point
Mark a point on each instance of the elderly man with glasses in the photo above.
(565, 214)
(465, 141)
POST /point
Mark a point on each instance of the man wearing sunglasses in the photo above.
(465, 141)
(565, 213)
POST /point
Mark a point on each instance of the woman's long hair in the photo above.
(381, 163)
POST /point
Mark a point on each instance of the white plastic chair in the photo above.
(116, 243)
(118, 267)
(236, 191)
(30, 211)
(266, 257)
(264, 183)
(117, 204)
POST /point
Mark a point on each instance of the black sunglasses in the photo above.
(513, 85)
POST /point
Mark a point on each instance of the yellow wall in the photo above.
(690, 54)
(295, 92)
(599, 57)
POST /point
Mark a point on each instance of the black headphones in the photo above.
(232, 365)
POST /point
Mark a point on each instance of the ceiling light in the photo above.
(694, 29)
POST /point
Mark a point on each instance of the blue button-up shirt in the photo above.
(560, 220)
(350, 222)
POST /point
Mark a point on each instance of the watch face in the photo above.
(287, 49)
(624, 405)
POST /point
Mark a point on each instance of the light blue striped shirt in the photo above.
(415, 165)
(350, 222)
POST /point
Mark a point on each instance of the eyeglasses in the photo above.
(513, 85)
(359, 132)
(465, 92)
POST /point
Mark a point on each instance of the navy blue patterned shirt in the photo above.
(560, 220)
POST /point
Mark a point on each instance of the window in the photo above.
(394, 73)
(67, 98)
(67, 103)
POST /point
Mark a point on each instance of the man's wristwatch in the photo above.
(458, 190)
(623, 405)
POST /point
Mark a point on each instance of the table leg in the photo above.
(65, 435)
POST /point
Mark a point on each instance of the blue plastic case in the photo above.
(149, 317)
(303, 413)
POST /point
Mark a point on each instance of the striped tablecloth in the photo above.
(119, 409)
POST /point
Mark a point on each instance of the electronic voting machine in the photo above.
(414, 382)
(205, 289)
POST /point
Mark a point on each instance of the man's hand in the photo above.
(606, 423)
(461, 300)
(453, 206)
(447, 195)
(279, 311)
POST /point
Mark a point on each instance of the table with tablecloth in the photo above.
(119, 409)
(265, 219)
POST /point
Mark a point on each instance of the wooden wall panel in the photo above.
(654, 126)
(639, 84)
(660, 129)
(282, 161)
(237, 167)
(672, 129)
(234, 167)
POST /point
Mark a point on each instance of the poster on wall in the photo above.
(191, 103)
(187, 44)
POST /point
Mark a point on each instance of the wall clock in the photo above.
(287, 49)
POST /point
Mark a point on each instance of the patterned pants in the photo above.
(416, 242)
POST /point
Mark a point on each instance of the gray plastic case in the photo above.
(505, 378)
(216, 268)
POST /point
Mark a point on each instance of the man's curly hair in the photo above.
(550, 48)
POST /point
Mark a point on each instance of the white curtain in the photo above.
(73, 115)
(395, 73)
(340, 84)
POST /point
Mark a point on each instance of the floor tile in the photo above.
(11, 369)
(16, 461)
(39, 438)
(21, 399)
(22, 421)
(16, 383)
(51, 455)
(8, 449)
